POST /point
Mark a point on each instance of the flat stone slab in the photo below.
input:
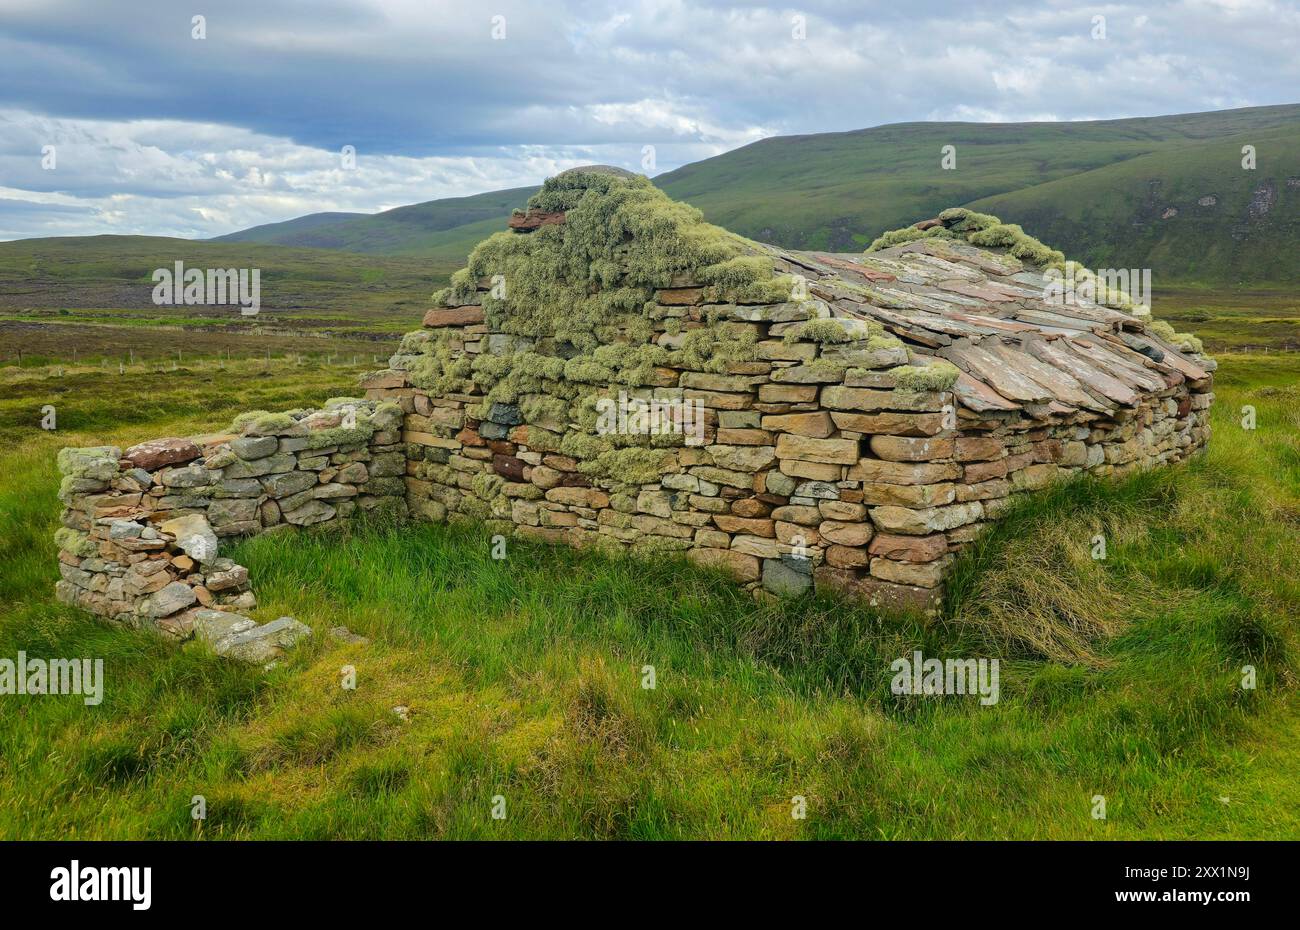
(156, 453)
(212, 626)
(261, 644)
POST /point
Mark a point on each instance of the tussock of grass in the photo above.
(1032, 586)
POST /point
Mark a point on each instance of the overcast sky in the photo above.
(157, 132)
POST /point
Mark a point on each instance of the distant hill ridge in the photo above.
(1164, 192)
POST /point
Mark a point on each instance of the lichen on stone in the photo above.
(821, 368)
(262, 423)
(77, 543)
(487, 485)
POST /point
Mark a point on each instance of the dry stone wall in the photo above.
(142, 528)
(820, 462)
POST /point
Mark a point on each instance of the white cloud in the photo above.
(159, 133)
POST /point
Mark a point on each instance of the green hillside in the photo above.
(284, 233)
(1190, 212)
(443, 230)
(1096, 190)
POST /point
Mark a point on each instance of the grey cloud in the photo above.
(244, 126)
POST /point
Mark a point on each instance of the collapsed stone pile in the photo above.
(142, 528)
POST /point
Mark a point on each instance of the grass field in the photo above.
(1119, 678)
(1236, 321)
(78, 298)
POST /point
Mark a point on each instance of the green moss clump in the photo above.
(826, 331)
(629, 466)
(715, 350)
(921, 379)
(979, 229)
(1162, 329)
(621, 239)
(1017, 242)
(243, 419)
(737, 272)
(544, 408)
(474, 508)
(437, 364)
(961, 220)
(746, 279)
(837, 330)
(342, 435)
(895, 237)
(1185, 341)
(463, 284)
(262, 423)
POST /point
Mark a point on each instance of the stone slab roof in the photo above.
(988, 313)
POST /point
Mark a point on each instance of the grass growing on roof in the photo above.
(940, 375)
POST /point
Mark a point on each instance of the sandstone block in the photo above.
(911, 449)
(921, 522)
(920, 574)
(813, 425)
(877, 470)
(888, 423)
(846, 534)
(909, 548)
(453, 316)
(910, 495)
(829, 451)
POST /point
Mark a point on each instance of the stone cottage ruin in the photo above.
(612, 371)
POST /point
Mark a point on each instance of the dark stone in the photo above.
(509, 467)
(509, 414)
(534, 219)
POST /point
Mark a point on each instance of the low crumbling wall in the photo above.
(142, 528)
(821, 461)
